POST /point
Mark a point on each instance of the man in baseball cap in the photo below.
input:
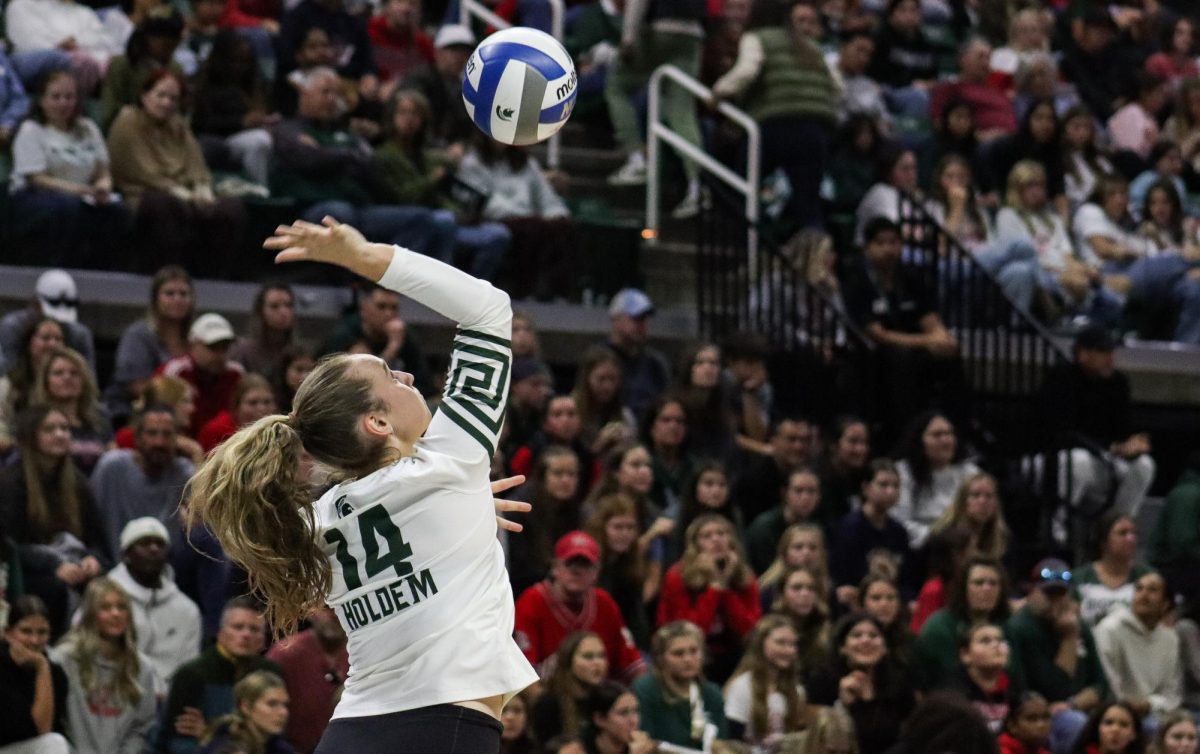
(55, 296)
(570, 601)
(207, 367)
(644, 371)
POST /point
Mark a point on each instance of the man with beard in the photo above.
(145, 481)
(314, 665)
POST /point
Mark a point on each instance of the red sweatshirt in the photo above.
(1010, 745)
(724, 615)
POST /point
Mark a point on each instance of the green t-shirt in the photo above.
(671, 721)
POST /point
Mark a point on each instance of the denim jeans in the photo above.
(431, 232)
(1163, 281)
(1065, 727)
(485, 245)
(1016, 269)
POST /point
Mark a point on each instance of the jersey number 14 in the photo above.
(373, 524)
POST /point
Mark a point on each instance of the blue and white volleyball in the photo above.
(519, 86)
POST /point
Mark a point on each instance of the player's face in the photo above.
(269, 712)
(405, 408)
(590, 662)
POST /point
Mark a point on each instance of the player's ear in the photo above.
(376, 424)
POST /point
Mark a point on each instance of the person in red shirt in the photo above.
(314, 664)
(252, 400)
(399, 45)
(713, 587)
(207, 368)
(994, 115)
(1027, 729)
(570, 601)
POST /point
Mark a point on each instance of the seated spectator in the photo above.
(592, 37)
(145, 481)
(678, 706)
(746, 369)
(327, 170)
(597, 394)
(765, 699)
(14, 102)
(55, 296)
(844, 467)
(1115, 727)
(158, 166)
(978, 594)
(895, 174)
(552, 489)
(179, 395)
(36, 25)
(151, 340)
(1054, 654)
(51, 516)
(252, 400)
(983, 678)
(713, 587)
(1086, 406)
(377, 327)
(865, 680)
(1084, 163)
(645, 372)
(60, 170)
(347, 35)
(707, 401)
(1037, 139)
(945, 552)
(40, 337)
(1164, 164)
(859, 93)
(832, 732)
(1104, 230)
(517, 193)
(408, 177)
(627, 470)
(1183, 126)
(110, 704)
(1174, 546)
(315, 53)
(781, 79)
(1134, 128)
(530, 388)
(397, 42)
(1026, 39)
(579, 665)
(257, 23)
(202, 690)
(149, 52)
(314, 664)
(166, 621)
(230, 112)
(1108, 582)
(763, 479)
(613, 722)
(879, 597)
(201, 32)
(947, 722)
(66, 382)
(1176, 58)
(623, 572)
(977, 508)
(570, 595)
(259, 717)
(801, 505)
(905, 60)
(516, 737)
(560, 426)
(800, 546)
(442, 86)
(1176, 734)
(892, 303)
(1163, 219)
(1027, 727)
(664, 430)
(1140, 654)
(804, 600)
(857, 146)
(953, 134)
(1092, 63)
(272, 330)
(34, 687)
(295, 363)
(861, 532)
(932, 467)
(1072, 278)
(993, 110)
(207, 368)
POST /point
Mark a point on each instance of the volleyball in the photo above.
(519, 86)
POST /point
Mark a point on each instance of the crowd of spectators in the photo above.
(703, 568)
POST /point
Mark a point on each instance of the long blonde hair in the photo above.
(697, 578)
(251, 496)
(992, 538)
(237, 725)
(834, 729)
(776, 573)
(755, 663)
(86, 646)
(660, 643)
(87, 405)
(47, 508)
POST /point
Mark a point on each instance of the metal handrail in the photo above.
(746, 185)
(469, 8)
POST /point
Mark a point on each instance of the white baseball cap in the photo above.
(58, 296)
(453, 34)
(211, 329)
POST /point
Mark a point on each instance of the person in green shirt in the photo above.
(677, 705)
(1175, 542)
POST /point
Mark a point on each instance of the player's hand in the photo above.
(331, 242)
(509, 506)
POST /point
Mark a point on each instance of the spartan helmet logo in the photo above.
(504, 113)
(342, 507)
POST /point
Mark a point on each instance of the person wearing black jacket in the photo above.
(33, 690)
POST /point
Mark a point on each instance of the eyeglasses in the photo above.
(1049, 574)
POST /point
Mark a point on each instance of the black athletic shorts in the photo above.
(440, 729)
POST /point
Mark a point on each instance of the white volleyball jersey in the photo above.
(419, 582)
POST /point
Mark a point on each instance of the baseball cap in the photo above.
(631, 302)
(211, 329)
(141, 528)
(523, 369)
(58, 296)
(453, 34)
(1052, 575)
(1095, 338)
(577, 544)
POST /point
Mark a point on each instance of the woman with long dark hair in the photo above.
(272, 330)
(712, 427)
(41, 337)
(932, 463)
(553, 492)
(623, 570)
(978, 593)
(580, 664)
(35, 711)
(664, 430)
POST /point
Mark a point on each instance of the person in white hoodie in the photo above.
(166, 619)
(1140, 654)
